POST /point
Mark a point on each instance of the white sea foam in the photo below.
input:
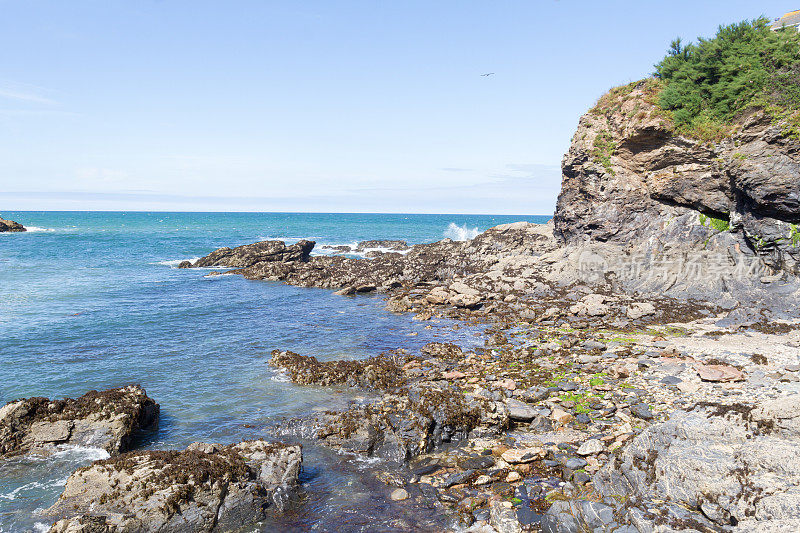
(35, 229)
(80, 453)
(280, 377)
(41, 527)
(173, 263)
(460, 233)
(328, 249)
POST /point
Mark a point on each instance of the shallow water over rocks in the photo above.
(98, 303)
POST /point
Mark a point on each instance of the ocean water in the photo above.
(92, 300)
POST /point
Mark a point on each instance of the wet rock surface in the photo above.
(10, 226)
(206, 487)
(107, 420)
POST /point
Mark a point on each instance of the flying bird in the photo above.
(488, 74)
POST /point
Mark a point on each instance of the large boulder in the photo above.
(107, 420)
(206, 487)
(10, 226)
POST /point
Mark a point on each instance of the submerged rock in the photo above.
(107, 420)
(399, 427)
(206, 487)
(10, 226)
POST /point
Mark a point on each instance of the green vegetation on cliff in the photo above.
(708, 84)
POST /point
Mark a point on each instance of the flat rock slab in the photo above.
(719, 373)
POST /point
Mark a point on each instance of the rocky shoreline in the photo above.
(639, 369)
(582, 410)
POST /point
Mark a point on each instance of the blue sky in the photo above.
(317, 105)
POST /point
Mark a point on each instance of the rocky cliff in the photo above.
(630, 180)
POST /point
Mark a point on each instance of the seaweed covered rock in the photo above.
(399, 427)
(206, 487)
(392, 245)
(251, 254)
(443, 350)
(10, 226)
(374, 373)
(107, 419)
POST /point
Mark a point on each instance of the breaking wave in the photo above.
(460, 233)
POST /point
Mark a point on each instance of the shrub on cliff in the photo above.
(746, 64)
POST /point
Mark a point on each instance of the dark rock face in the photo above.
(627, 177)
(252, 254)
(10, 226)
(206, 487)
(106, 419)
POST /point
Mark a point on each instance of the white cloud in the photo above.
(25, 93)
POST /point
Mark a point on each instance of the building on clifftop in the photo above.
(789, 20)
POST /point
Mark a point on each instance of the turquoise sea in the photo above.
(92, 300)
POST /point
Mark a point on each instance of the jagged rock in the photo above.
(106, 419)
(11, 226)
(590, 447)
(435, 262)
(252, 254)
(206, 487)
(590, 305)
(577, 516)
(504, 518)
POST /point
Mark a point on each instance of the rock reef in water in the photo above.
(10, 226)
(253, 254)
(107, 420)
(206, 487)
(373, 373)
(424, 262)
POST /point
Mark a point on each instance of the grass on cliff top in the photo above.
(702, 88)
(708, 84)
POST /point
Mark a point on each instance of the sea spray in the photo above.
(460, 233)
